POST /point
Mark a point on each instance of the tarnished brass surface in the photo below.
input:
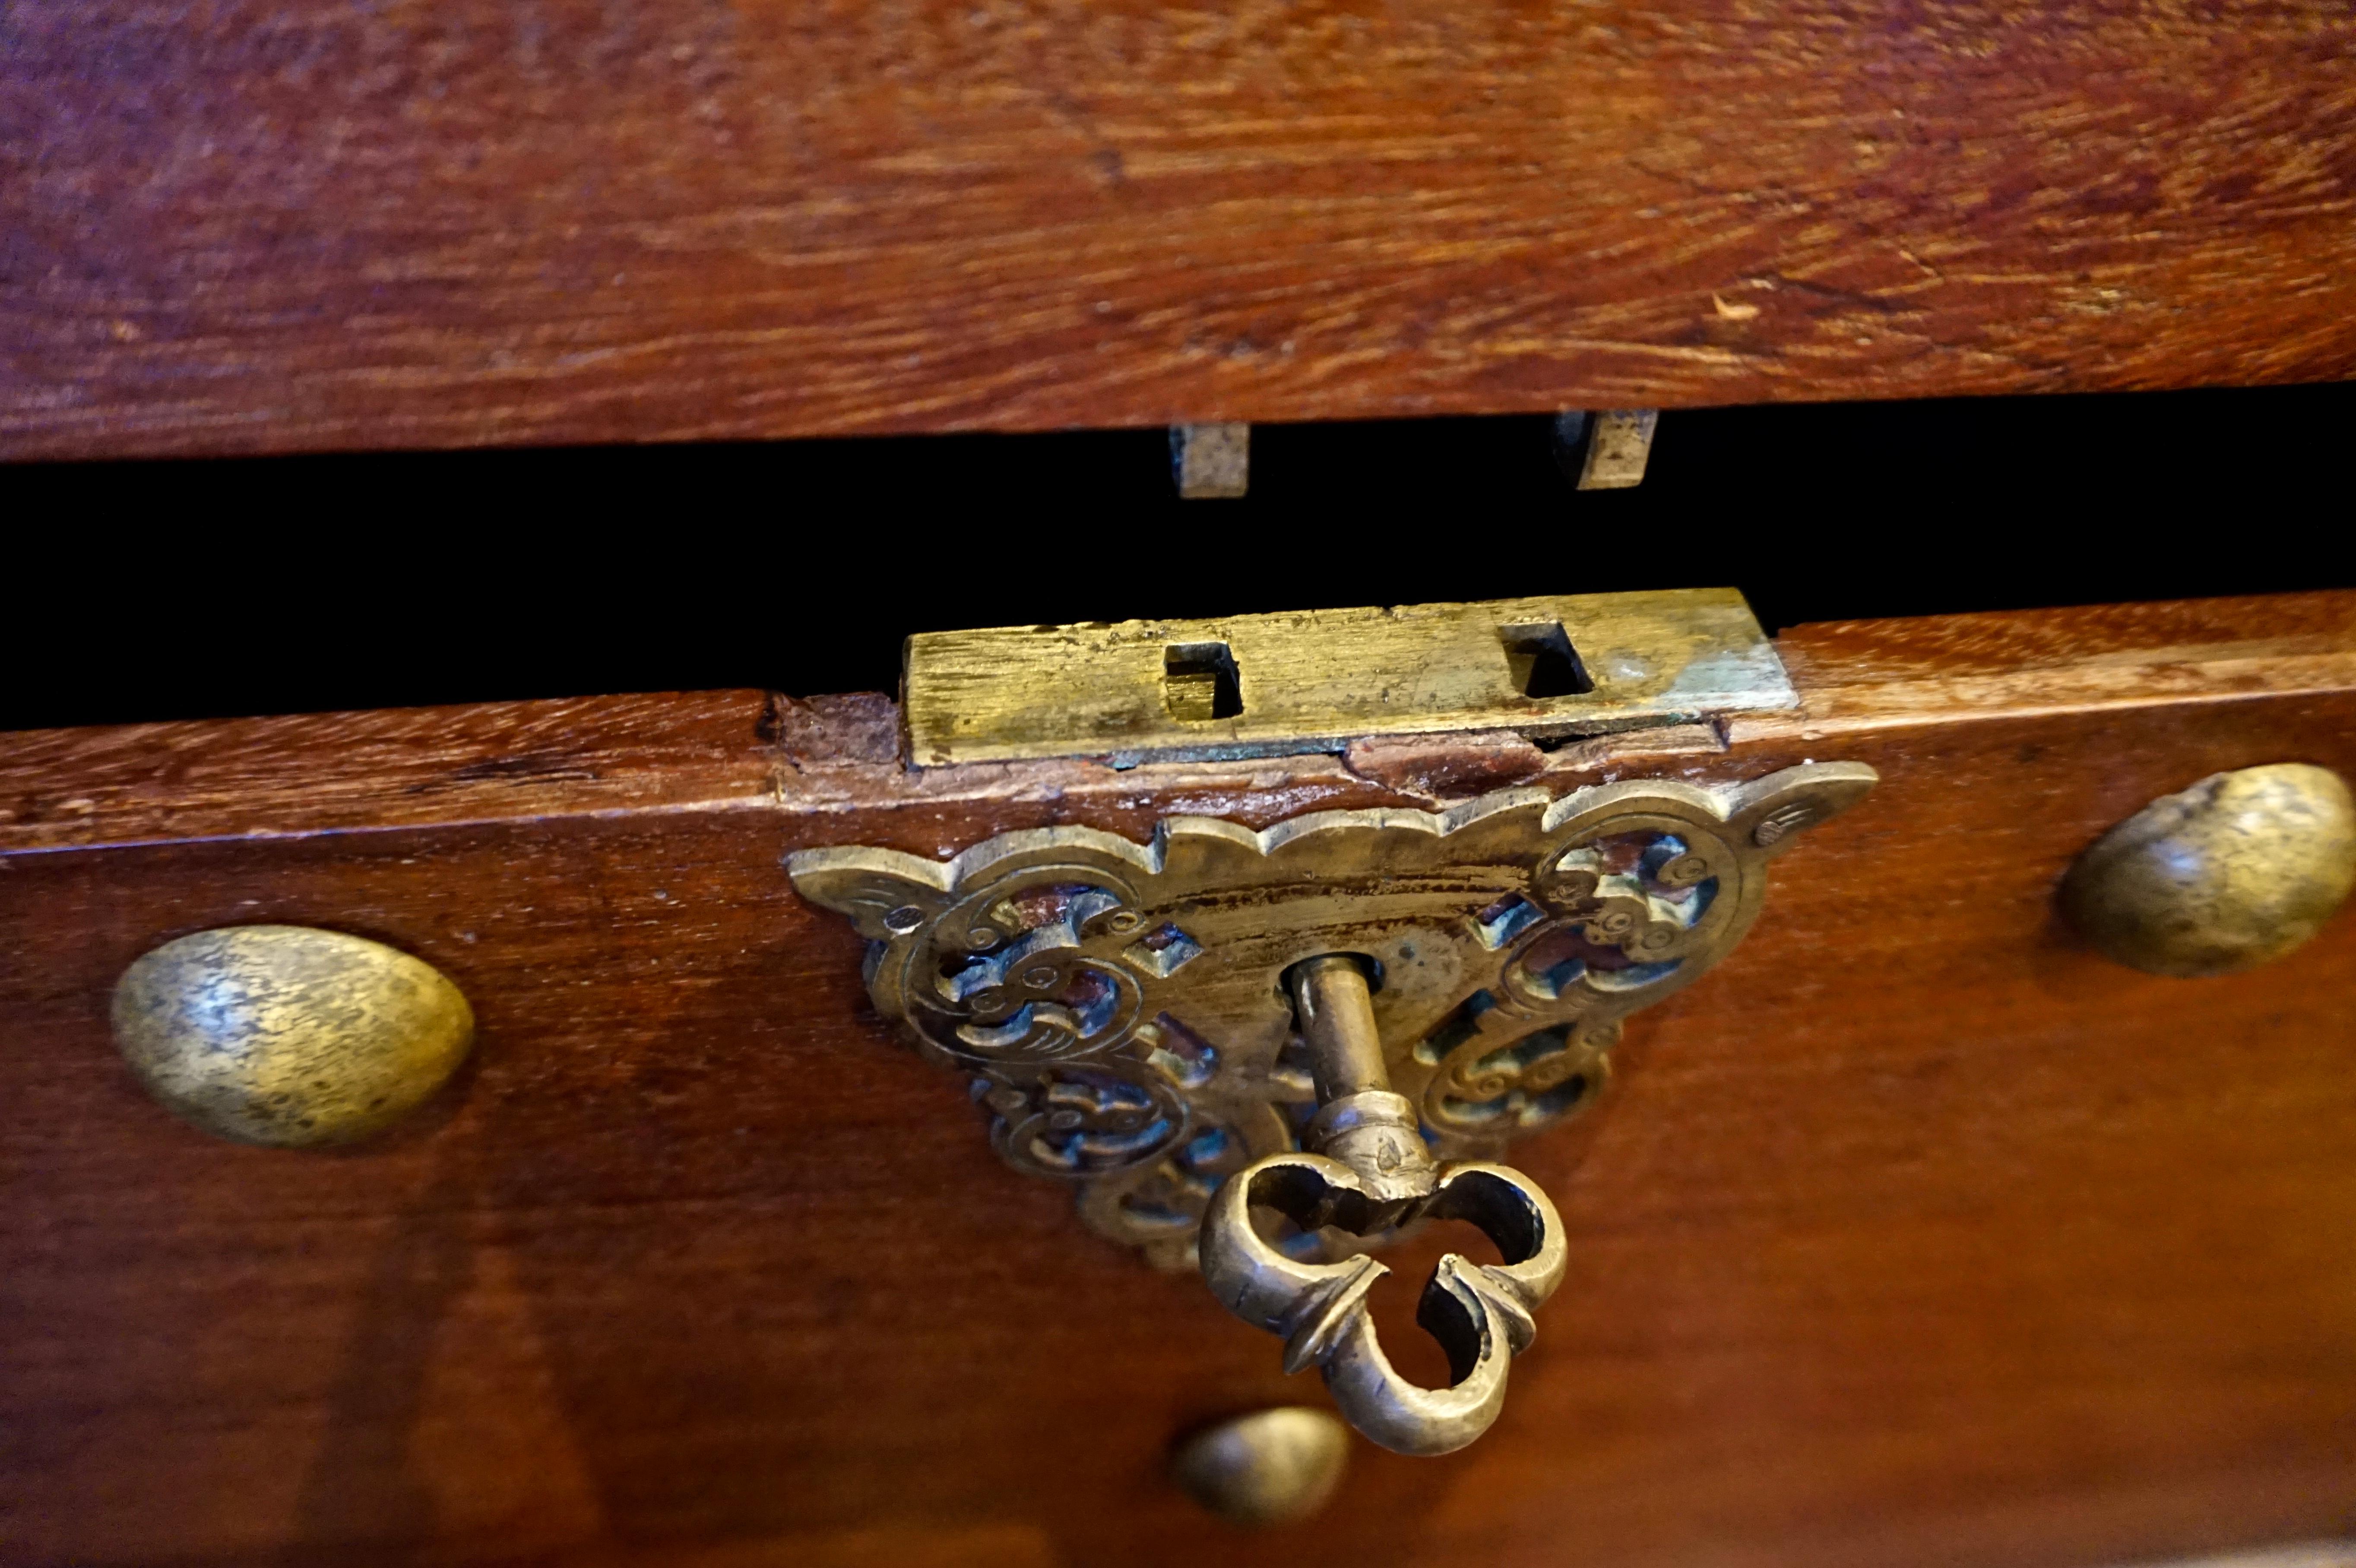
(1265, 1051)
(1314, 680)
(1366, 1171)
(1120, 1007)
(1211, 461)
(2236, 870)
(289, 1036)
(1272, 1466)
(1619, 444)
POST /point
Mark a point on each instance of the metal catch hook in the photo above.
(1369, 1170)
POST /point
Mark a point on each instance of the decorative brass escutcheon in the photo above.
(1261, 1052)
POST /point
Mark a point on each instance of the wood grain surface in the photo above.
(1916, 1233)
(269, 225)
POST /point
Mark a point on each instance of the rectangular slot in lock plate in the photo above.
(1314, 681)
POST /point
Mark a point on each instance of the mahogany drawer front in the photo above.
(287, 225)
(1917, 1232)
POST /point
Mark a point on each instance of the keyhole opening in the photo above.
(1201, 683)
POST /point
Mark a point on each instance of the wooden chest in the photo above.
(1918, 1232)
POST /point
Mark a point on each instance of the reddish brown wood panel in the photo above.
(264, 225)
(1914, 1233)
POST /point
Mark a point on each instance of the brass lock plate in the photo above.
(1311, 681)
(1119, 1007)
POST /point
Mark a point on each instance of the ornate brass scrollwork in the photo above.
(1126, 1018)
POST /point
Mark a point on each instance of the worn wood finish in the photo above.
(265, 225)
(1915, 1233)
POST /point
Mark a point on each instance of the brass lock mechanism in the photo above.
(1262, 1052)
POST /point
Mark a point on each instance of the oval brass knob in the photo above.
(1272, 1466)
(288, 1036)
(2239, 869)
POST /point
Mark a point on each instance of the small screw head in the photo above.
(903, 920)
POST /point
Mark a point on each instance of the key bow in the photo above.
(1480, 1313)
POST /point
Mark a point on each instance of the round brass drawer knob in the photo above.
(1272, 1466)
(288, 1036)
(2239, 869)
